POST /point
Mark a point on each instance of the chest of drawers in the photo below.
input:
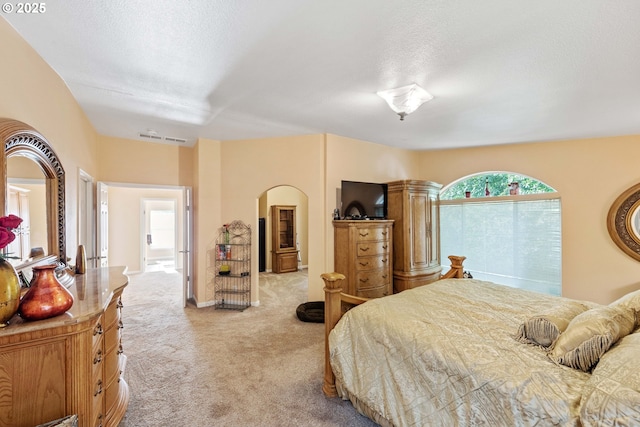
(363, 253)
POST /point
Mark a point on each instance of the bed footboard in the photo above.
(335, 300)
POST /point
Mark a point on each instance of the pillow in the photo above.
(630, 301)
(544, 328)
(611, 396)
(590, 334)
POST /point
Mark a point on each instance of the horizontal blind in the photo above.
(513, 242)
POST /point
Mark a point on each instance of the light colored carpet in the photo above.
(208, 367)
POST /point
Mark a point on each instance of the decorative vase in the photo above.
(9, 292)
(46, 297)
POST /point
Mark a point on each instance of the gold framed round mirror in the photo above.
(623, 222)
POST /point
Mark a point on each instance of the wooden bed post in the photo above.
(332, 308)
(457, 270)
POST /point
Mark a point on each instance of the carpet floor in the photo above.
(206, 367)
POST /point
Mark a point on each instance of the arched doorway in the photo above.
(289, 196)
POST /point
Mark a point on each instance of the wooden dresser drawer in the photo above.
(373, 279)
(377, 292)
(368, 234)
(372, 262)
(372, 248)
(112, 313)
(112, 337)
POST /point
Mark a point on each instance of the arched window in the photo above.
(509, 228)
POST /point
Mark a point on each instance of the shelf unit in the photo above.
(283, 234)
(232, 253)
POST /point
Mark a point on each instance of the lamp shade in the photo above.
(406, 99)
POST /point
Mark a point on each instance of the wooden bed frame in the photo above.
(336, 303)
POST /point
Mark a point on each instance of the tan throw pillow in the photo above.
(590, 334)
(630, 301)
(611, 396)
(544, 328)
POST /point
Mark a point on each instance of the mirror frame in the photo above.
(619, 222)
(21, 139)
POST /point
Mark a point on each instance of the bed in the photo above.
(469, 352)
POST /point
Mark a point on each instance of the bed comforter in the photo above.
(445, 355)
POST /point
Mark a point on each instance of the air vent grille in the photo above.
(156, 137)
(174, 139)
(150, 136)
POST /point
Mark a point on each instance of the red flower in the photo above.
(11, 221)
(6, 237)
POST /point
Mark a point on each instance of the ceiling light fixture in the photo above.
(406, 99)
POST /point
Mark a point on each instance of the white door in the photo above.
(103, 224)
(187, 247)
(87, 218)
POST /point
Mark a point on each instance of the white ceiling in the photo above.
(501, 71)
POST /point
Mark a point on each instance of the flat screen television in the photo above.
(363, 200)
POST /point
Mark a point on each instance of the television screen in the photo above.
(363, 200)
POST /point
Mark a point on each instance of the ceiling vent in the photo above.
(154, 136)
(173, 139)
(150, 136)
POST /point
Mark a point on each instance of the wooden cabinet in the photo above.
(415, 207)
(284, 246)
(363, 255)
(69, 364)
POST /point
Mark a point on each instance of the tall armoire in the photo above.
(415, 208)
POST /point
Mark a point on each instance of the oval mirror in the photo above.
(623, 222)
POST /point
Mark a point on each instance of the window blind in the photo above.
(512, 242)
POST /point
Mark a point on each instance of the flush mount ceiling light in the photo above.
(406, 99)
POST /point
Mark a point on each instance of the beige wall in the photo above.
(588, 174)
(34, 94)
(125, 160)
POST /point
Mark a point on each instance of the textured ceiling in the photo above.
(501, 71)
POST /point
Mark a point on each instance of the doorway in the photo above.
(159, 241)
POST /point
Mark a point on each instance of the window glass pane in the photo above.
(161, 227)
(512, 242)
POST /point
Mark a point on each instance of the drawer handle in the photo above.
(364, 249)
(120, 324)
(364, 264)
(364, 280)
(384, 233)
(120, 350)
(100, 420)
(364, 235)
(98, 357)
(97, 330)
(119, 304)
(384, 276)
(385, 246)
(99, 390)
(384, 260)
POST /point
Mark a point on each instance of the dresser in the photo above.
(362, 252)
(414, 205)
(69, 364)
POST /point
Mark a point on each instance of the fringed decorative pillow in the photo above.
(630, 301)
(590, 334)
(611, 396)
(544, 328)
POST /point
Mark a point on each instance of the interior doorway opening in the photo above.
(161, 234)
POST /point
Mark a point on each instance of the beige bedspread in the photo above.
(445, 355)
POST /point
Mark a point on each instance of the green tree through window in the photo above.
(498, 185)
